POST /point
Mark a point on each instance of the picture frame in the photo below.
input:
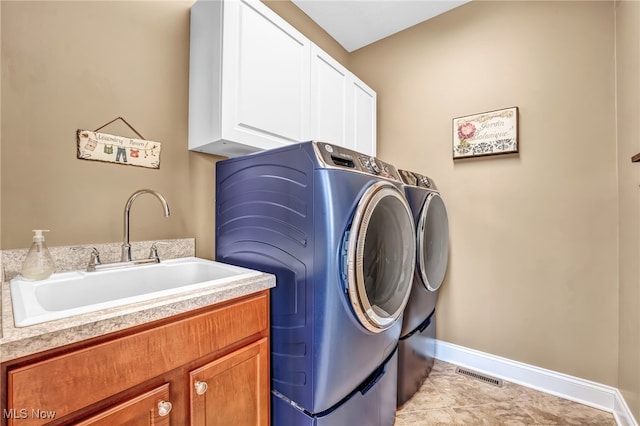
(487, 133)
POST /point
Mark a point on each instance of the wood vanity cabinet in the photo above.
(206, 367)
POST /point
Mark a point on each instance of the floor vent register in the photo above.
(479, 376)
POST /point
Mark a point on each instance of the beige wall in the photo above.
(533, 273)
(628, 103)
(70, 65)
(533, 257)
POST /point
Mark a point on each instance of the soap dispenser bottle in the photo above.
(38, 265)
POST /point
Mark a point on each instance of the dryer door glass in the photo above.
(433, 242)
(381, 257)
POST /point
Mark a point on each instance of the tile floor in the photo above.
(447, 398)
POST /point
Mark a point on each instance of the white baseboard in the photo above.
(585, 392)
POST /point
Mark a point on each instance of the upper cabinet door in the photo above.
(266, 92)
(330, 99)
(363, 111)
(343, 108)
(249, 79)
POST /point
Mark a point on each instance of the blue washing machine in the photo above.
(417, 339)
(334, 227)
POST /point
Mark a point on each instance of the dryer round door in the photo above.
(433, 242)
(381, 257)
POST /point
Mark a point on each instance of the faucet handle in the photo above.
(153, 251)
(94, 258)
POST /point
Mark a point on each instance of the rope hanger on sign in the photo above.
(125, 122)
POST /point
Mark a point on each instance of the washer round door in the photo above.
(381, 257)
(433, 242)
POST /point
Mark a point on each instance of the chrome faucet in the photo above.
(126, 247)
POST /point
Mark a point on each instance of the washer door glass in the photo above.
(381, 257)
(433, 242)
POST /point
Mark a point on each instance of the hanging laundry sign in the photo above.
(117, 149)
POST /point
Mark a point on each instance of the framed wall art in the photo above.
(487, 133)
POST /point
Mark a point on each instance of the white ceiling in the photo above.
(357, 23)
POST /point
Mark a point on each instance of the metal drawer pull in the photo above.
(164, 408)
(201, 387)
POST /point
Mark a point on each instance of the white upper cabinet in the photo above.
(330, 103)
(343, 108)
(248, 79)
(363, 110)
(256, 83)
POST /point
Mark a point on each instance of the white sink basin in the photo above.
(73, 293)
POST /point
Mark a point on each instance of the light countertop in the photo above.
(21, 341)
(16, 342)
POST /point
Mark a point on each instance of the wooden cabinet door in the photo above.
(149, 409)
(233, 390)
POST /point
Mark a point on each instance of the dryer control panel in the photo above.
(340, 157)
(416, 179)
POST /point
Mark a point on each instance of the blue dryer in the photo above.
(334, 226)
(417, 339)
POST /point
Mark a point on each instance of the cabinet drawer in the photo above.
(69, 382)
(143, 410)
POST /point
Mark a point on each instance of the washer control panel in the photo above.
(416, 179)
(337, 156)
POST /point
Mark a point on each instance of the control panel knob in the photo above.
(372, 165)
(424, 181)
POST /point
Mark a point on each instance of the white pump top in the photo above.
(37, 235)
